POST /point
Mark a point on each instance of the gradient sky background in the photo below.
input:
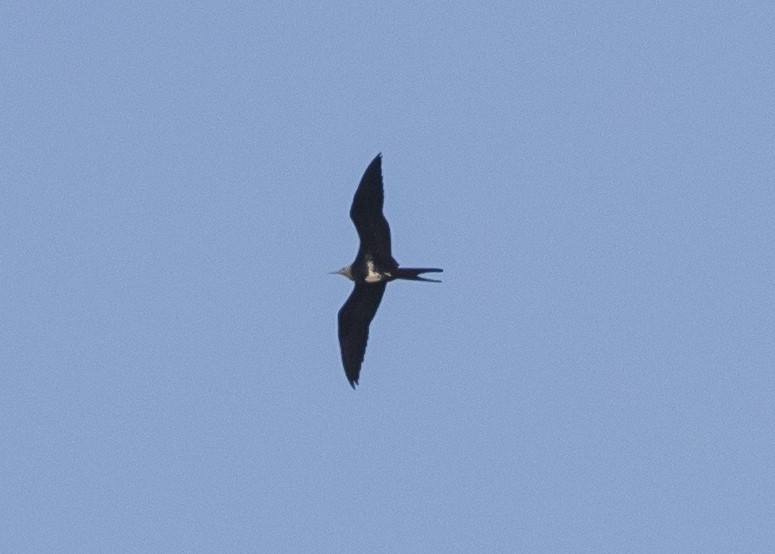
(596, 372)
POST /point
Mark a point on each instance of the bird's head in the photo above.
(346, 271)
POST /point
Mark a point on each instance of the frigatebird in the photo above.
(374, 267)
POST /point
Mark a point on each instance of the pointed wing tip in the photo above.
(353, 381)
(377, 160)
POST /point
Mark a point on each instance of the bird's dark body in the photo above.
(373, 267)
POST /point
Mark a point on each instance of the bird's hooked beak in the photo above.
(345, 271)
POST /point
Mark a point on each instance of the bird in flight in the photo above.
(373, 268)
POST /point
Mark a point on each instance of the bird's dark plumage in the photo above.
(373, 268)
(354, 319)
(366, 213)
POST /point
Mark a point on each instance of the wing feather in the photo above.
(366, 213)
(354, 319)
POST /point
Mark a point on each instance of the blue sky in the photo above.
(594, 374)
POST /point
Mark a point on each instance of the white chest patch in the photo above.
(373, 276)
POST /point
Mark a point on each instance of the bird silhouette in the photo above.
(374, 267)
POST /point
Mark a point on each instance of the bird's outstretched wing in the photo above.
(354, 319)
(366, 213)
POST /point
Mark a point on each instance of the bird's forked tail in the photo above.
(413, 273)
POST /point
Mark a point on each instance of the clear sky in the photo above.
(596, 373)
